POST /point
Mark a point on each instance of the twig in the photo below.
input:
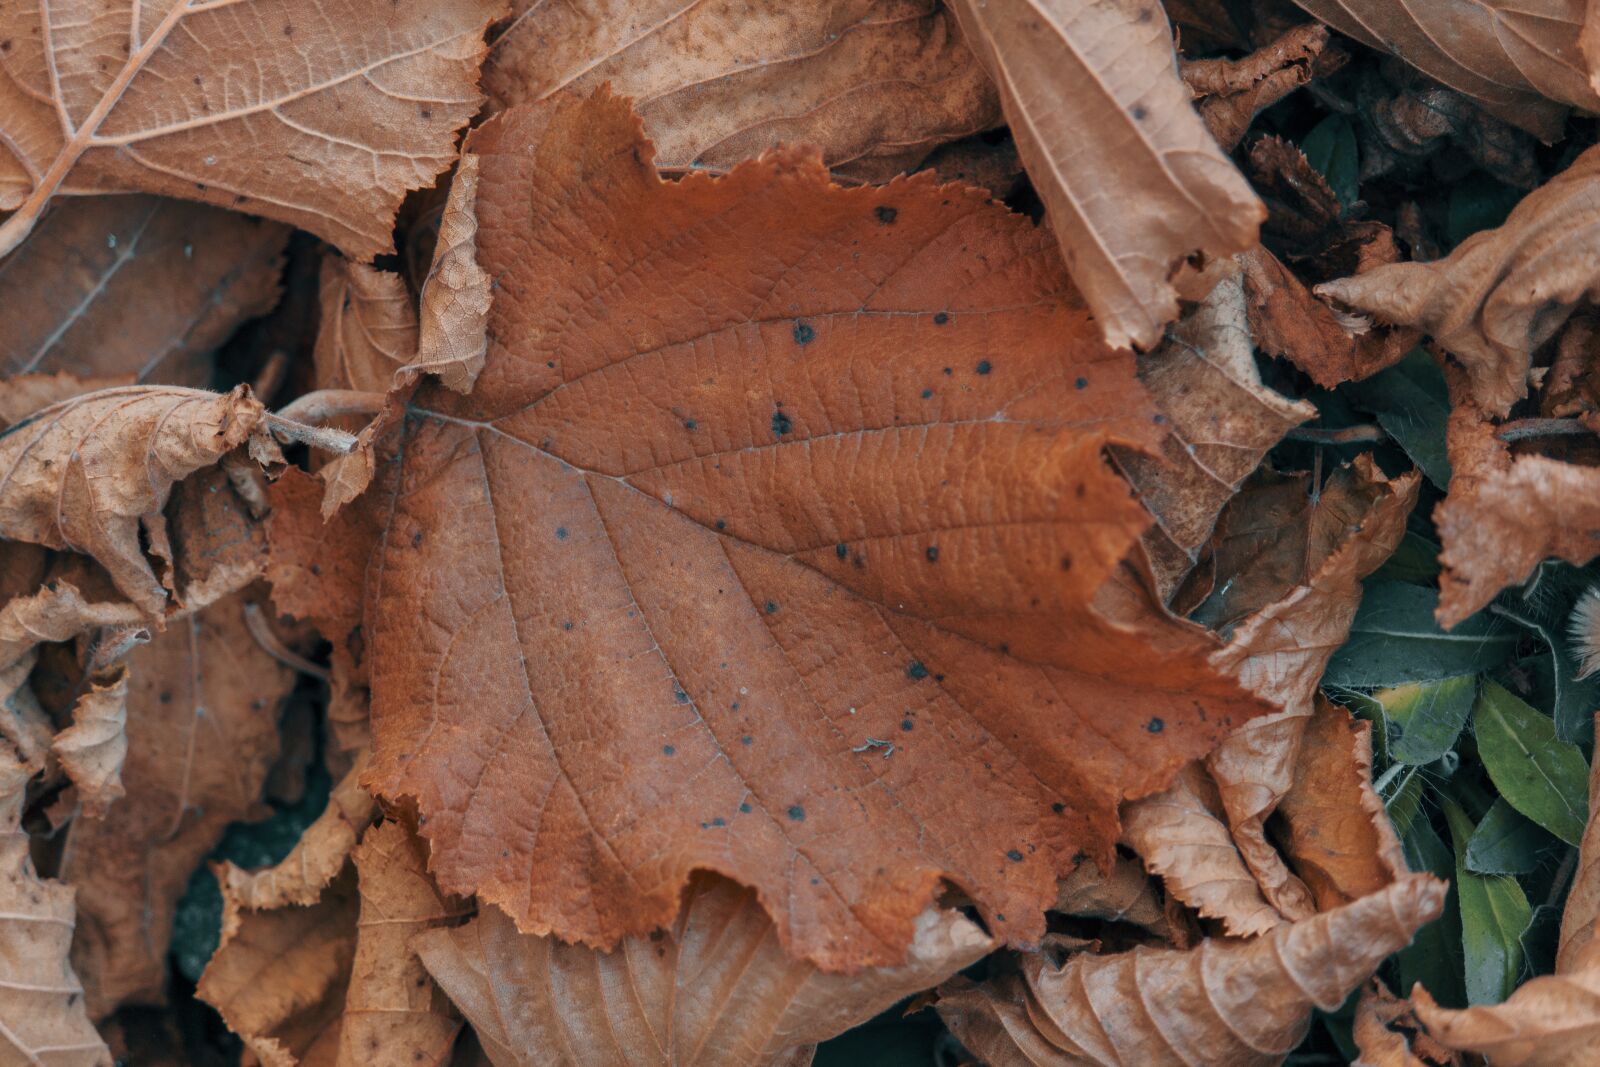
(325, 404)
(1522, 429)
(255, 621)
(324, 437)
(1350, 435)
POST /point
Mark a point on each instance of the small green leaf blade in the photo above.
(1410, 402)
(1394, 639)
(1507, 842)
(1543, 777)
(1430, 715)
(1494, 914)
(1434, 956)
(1332, 151)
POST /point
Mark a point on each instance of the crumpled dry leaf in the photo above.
(1237, 1002)
(761, 506)
(393, 1013)
(1505, 512)
(1125, 895)
(367, 330)
(1552, 1020)
(716, 990)
(279, 976)
(135, 285)
(1157, 195)
(317, 858)
(202, 733)
(1386, 1030)
(1181, 834)
(93, 474)
(152, 102)
(876, 84)
(1230, 93)
(452, 339)
(1222, 421)
(93, 748)
(1502, 292)
(42, 1017)
(1521, 63)
(1280, 650)
(1335, 831)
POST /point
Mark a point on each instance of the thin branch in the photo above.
(1350, 435)
(255, 621)
(1522, 429)
(325, 438)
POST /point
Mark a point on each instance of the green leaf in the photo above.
(1331, 150)
(1494, 914)
(1505, 842)
(1395, 640)
(1401, 790)
(1541, 776)
(1416, 561)
(1430, 716)
(1412, 405)
(1477, 202)
(1434, 956)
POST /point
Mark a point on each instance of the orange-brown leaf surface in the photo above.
(93, 473)
(1155, 193)
(1503, 292)
(875, 84)
(715, 990)
(42, 1018)
(136, 285)
(1244, 1003)
(202, 732)
(393, 1013)
(318, 114)
(813, 481)
(1519, 62)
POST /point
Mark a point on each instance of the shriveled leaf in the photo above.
(1494, 915)
(452, 341)
(1386, 1030)
(1125, 895)
(1394, 640)
(1182, 835)
(367, 329)
(202, 732)
(1542, 777)
(93, 473)
(1503, 292)
(716, 989)
(1430, 716)
(93, 748)
(876, 84)
(1238, 1002)
(1156, 193)
(1505, 842)
(1231, 92)
(1334, 830)
(279, 977)
(641, 490)
(393, 1013)
(1223, 421)
(1521, 64)
(42, 1018)
(150, 99)
(135, 285)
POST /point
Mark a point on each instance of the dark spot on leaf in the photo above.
(668, 750)
(416, 539)
(316, 568)
(916, 671)
(939, 319)
(1066, 562)
(771, 606)
(746, 739)
(1159, 419)
(932, 553)
(566, 626)
(746, 808)
(927, 394)
(722, 524)
(1058, 807)
(288, 31)
(690, 424)
(781, 423)
(561, 533)
(719, 821)
(841, 550)
(680, 696)
(1082, 383)
(1014, 856)
(803, 333)
(797, 813)
(1155, 726)
(426, 113)
(984, 366)
(1139, 112)
(886, 215)
(907, 725)
(949, 371)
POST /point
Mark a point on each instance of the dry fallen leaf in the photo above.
(875, 84)
(41, 1003)
(393, 1013)
(891, 562)
(1125, 895)
(1520, 63)
(347, 107)
(136, 285)
(1502, 292)
(1229, 93)
(93, 748)
(716, 990)
(93, 473)
(1387, 1032)
(1235, 1002)
(1157, 196)
(201, 735)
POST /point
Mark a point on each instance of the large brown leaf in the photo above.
(876, 84)
(345, 106)
(93, 474)
(202, 733)
(1519, 61)
(136, 285)
(829, 482)
(716, 990)
(1155, 194)
(1502, 292)
(1244, 1003)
